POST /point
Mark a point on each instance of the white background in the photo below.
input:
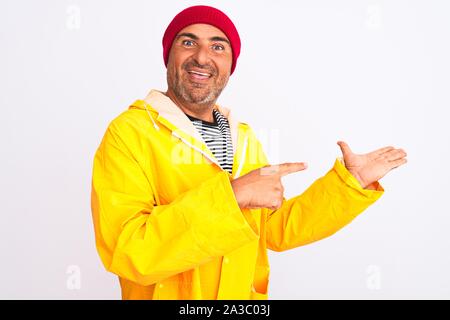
(373, 73)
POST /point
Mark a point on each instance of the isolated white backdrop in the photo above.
(372, 73)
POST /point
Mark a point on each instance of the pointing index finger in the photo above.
(291, 167)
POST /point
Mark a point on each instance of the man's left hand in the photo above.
(370, 167)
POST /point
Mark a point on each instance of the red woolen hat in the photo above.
(206, 15)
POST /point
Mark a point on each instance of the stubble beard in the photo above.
(201, 95)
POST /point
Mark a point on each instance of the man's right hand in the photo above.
(262, 188)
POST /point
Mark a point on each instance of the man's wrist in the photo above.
(363, 184)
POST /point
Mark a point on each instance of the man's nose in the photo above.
(201, 56)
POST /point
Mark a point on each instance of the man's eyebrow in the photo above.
(188, 35)
(219, 39)
(194, 37)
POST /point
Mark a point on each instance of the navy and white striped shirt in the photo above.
(217, 136)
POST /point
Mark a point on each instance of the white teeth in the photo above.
(200, 73)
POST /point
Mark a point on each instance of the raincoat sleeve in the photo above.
(146, 243)
(329, 204)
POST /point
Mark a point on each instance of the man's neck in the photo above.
(203, 112)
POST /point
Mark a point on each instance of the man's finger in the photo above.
(344, 147)
(283, 169)
(383, 150)
(291, 167)
(397, 163)
(394, 154)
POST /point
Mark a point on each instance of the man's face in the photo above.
(199, 64)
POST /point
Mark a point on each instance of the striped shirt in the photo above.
(217, 136)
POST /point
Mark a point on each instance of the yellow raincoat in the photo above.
(166, 219)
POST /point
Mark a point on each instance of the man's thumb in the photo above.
(344, 147)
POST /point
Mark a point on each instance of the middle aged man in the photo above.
(184, 202)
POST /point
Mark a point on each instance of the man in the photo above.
(184, 202)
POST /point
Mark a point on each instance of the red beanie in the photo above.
(206, 15)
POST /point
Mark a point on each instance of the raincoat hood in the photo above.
(165, 108)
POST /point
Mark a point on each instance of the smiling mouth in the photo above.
(196, 75)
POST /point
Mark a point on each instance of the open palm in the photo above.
(370, 167)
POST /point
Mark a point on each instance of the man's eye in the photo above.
(218, 47)
(188, 43)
